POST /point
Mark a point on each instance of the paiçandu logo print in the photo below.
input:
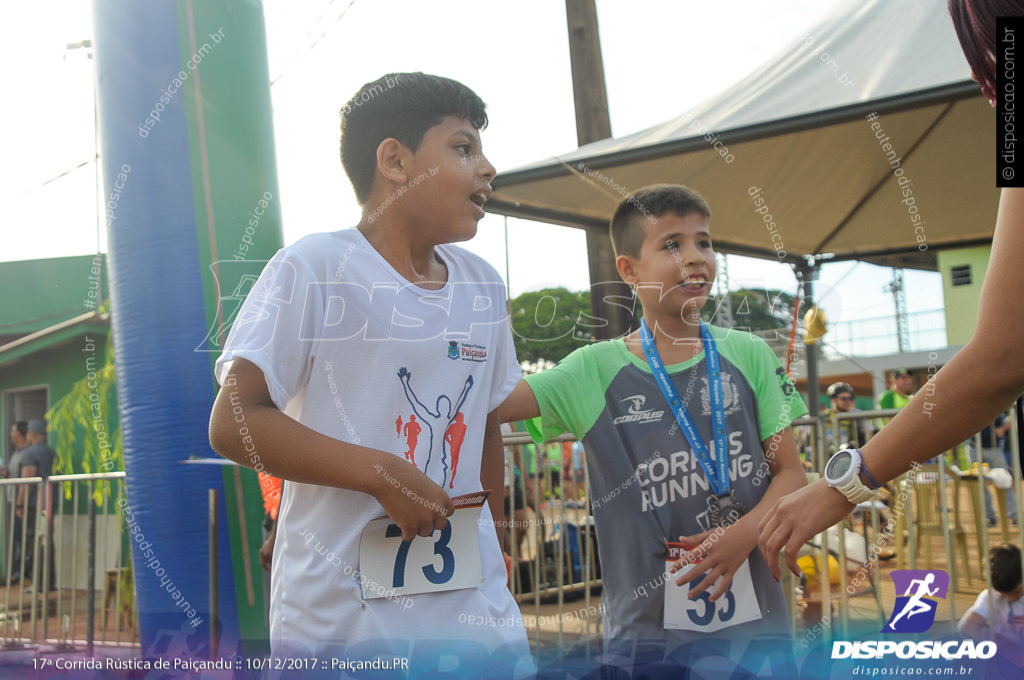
(914, 611)
(453, 350)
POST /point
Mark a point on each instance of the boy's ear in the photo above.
(627, 269)
(392, 160)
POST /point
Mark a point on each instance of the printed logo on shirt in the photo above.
(466, 351)
(637, 413)
(730, 396)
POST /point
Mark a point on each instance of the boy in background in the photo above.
(1005, 597)
(346, 335)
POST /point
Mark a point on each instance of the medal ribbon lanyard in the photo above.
(720, 483)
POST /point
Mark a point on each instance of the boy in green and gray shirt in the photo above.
(657, 492)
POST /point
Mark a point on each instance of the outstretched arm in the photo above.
(962, 398)
(520, 405)
(462, 397)
(404, 375)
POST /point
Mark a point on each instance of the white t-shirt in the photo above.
(353, 350)
(1009, 615)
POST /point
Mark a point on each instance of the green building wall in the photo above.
(961, 302)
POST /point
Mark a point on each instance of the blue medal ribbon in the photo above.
(719, 483)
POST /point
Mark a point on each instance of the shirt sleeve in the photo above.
(30, 457)
(980, 606)
(887, 400)
(507, 371)
(778, 401)
(277, 326)
(557, 391)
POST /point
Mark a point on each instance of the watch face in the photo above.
(839, 465)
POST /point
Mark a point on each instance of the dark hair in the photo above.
(1004, 563)
(22, 427)
(651, 202)
(975, 24)
(835, 389)
(403, 106)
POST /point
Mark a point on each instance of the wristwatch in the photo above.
(842, 473)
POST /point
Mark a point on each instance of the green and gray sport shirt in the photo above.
(646, 486)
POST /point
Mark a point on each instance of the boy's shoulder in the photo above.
(323, 245)
(323, 251)
(471, 266)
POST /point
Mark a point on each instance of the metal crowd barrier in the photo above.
(558, 557)
(57, 556)
(904, 523)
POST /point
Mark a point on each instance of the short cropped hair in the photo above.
(975, 24)
(651, 202)
(22, 427)
(402, 106)
(1004, 563)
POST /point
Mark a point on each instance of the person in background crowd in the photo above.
(843, 401)
(36, 461)
(1005, 595)
(19, 434)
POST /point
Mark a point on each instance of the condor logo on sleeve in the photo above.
(637, 413)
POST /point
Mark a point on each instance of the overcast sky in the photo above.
(661, 58)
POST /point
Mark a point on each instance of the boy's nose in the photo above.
(693, 255)
(486, 169)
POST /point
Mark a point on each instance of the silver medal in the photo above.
(726, 510)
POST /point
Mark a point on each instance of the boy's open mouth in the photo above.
(478, 199)
(694, 285)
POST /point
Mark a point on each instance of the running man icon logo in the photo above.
(914, 611)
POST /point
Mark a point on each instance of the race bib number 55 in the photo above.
(448, 559)
(738, 605)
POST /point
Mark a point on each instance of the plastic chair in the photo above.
(929, 518)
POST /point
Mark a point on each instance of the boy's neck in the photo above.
(676, 339)
(672, 329)
(409, 253)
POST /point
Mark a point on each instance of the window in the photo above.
(961, 275)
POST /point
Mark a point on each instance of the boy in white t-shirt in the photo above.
(1007, 589)
(366, 366)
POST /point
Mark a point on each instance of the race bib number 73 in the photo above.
(448, 559)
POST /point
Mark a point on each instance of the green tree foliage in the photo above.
(754, 310)
(549, 324)
(86, 420)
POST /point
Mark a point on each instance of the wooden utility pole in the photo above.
(592, 124)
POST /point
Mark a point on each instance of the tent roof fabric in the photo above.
(789, 160)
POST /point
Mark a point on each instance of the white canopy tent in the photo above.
(796, 129)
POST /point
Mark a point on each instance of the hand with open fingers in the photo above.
(718, 554)
(795, 519)
(412, 500)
